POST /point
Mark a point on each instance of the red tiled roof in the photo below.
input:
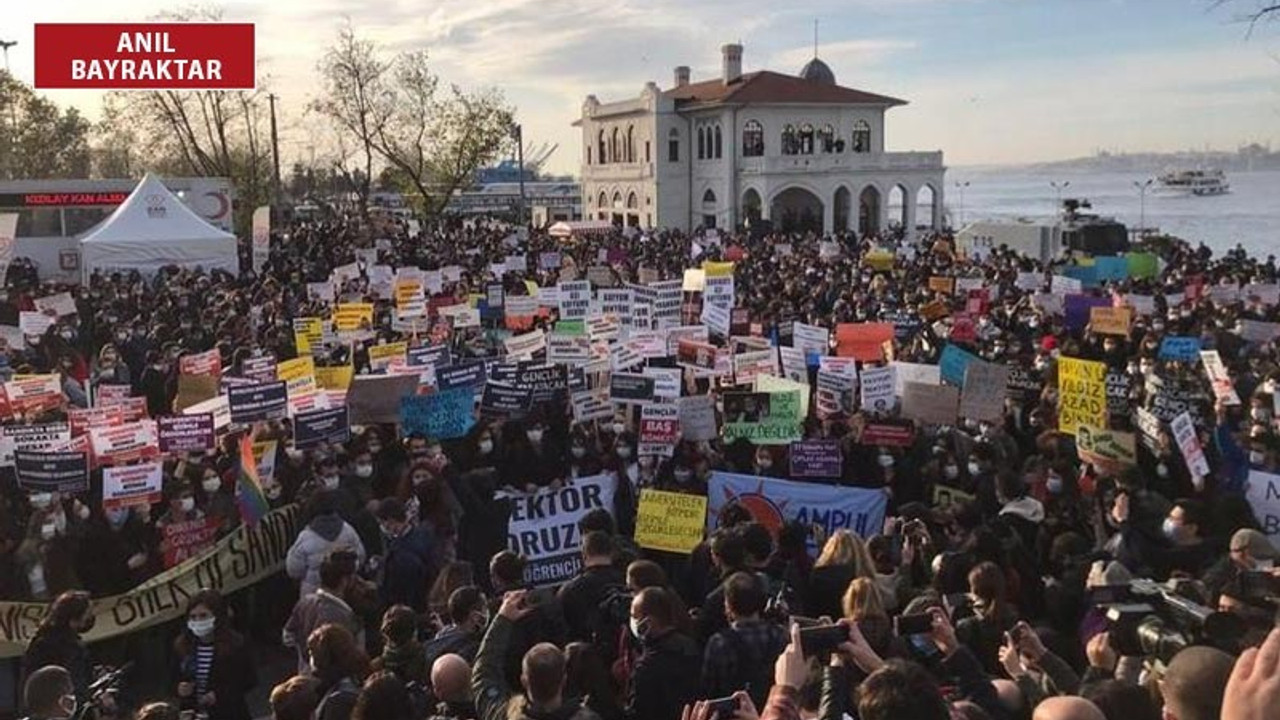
(766, 86)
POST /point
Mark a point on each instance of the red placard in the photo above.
(145, 56)
(187, 539)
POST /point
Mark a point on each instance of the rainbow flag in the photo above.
(253, 504)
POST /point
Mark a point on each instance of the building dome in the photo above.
(817, 71)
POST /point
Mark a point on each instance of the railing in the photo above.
(819, 162)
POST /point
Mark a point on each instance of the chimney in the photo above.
(682, 75)
(732, 62)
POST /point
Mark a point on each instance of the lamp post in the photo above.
(961, 186)
(5, 45)
(1142, 203)
(518, 133)
(1059, 187)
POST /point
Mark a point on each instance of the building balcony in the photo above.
(841, 162)
(617, 172)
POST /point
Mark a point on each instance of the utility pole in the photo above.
(961, 187)
(6, 44)
(13, 107)
(1059, 186)
(275, 150)
(1142, 204)
(518, 133)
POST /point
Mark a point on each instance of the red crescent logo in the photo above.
(223, 205)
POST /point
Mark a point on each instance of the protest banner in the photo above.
(526, 345)
(659, 429)
(571, 349)
(1119, 387)
(375, 399)
(543, 526)
(816, 459)
(771, 384)
(622, 357)
(430, 355)
(464, 375)
(1110, 320)
(58, 306)
(889, 432)
(952, 364)
(863, 341)
(1184, 433)
(1184, 349)
(1063, 285)
(945, 497)
(669, 521)
(1082, 393)
(504, 401)
(182, 541)
(810, 339)
(444, 415)
(773, 502)
(905, 372)
(1111, 452)
(1024, 384)
(574, 299)
(218, 407)
(205, 363)
(592, 405)
(185, 433)
(34, 394)
(260, 368)
(763, 418)
(34, 324)
(1078, 309)
(546, 383)
(1263, 492)
(34, 438)
(749, 365)
(258, 403)
(242, 558)
(878, 389)
(321, 426)
(81, 419)
(603, 328)
(1167, 397)
(936, 404)
(698, 418)
(631, 387)
(1256, 331)
(384, 354)
(299, 376)
(698, 355)
(941, 284)
(1219, 377)
(130, 485)
(125, 443)
(352, 316)
(308, 333)
(794, 365)
(717, 318)
(194, 389)
(51, 471)
(334, 378)
(834, 394)
(984, 391)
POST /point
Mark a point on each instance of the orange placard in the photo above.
(863, 341)
(1110, 320)
(941, 284)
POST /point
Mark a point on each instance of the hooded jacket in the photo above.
(323, 535)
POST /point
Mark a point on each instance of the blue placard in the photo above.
(1111, 268)
(465, 375)
(1076, 309)
(953, 363)
(442, 416)
(773, 502)
(1183, 348)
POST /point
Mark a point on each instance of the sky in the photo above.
(989, 81)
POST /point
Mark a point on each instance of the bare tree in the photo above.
(1263, 10)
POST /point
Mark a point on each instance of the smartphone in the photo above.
(923, 645)
(918, 624)
(723, 708)
(822, 639)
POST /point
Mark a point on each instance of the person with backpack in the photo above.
(665, 676)
(581, 597)
(742, 655)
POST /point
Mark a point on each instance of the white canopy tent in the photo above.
(152, 229)
(567, 228)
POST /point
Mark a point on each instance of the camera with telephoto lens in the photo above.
(104, 693)
(1158, 621)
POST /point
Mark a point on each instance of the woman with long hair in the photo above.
(456, 574)
(57, 640)
(993, 615)
(215, 668)
(341, 666)
(586, 677)
(863, 605)
(844, 557)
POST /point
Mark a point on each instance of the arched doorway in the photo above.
(896, 207)
(927, 206)
(709, 208)
(796, 210)
(869, 210)
(617, 216)
(840, 208)
(633, 210)
(751, 207)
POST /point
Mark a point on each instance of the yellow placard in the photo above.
(1082, 394)
(382, 355)
(299, 374)
(307, 332)
(353, 316)
(717, 269)
(881, 261)
(335, 378)
(407, 291)
(1110, 320)
(669, 521)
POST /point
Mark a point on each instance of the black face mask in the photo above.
(88, 625)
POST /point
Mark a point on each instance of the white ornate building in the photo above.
(800, 151)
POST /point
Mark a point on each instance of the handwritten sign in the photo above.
(672, 522)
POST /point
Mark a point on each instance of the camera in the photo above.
(1158, 622)
(919, 624)
(822, 639)
(723, 708)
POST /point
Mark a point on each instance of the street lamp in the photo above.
(1059, 187)
(1142, 202)
(5, 45)
(517, 132)
(961, 186)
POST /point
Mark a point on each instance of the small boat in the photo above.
(1193, 182)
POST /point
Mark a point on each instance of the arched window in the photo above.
(806, 139)
(617, 199)
(600, 149)
(827, 139)
(709, 197)
(604, 200)
(719, 147)
(673, 145)
(752, 139)
(702, 143)
(633, 203)
(631, 143)
(790, 145)
(615, 150)
(861, 137)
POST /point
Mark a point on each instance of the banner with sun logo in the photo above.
(773, 502)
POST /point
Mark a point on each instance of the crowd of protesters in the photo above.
(403, 602)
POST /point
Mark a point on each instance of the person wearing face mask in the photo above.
(328, 604)
(49, 695)
(215, 668)
(359, 479)
(406, 569)
(325, 534)
(1182, 545)
(468, 616)
(583, 459)
(182, 506)
(46, 556)
(763, 463)
(531, 457)
(157, 384)
(110, 369)
(217, 500)
(665, 676)
(117, 553)
(58, 641)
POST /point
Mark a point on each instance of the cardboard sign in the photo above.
(575, 299)
(34, 395)
(935, 404)
(205, 363)
(34, 324)
(57, 306)
(335, 378)
(443, 415)
(878, 389)
(749, 365)
(186, 433)
(1082, 394)
(375, 399)
(353, 316)
(132, 485)
(982, 397)
(592, 405)
(863, 341)
(124, 444)
(659, 429)
(816, 459)
(1110, 320)
(693, 354)
(698, 418)
(954, 363)
(46, 471)
(1184, 433)
(1111, 452)
(670, 522)
(182, 541)
(308, 333)
(381, 356)
(810, 339)
(32, 438)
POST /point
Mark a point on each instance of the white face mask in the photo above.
(578, 451)
(202, 628)
(82, 512)
(187, 504)
(1256, 458)
(683, 476)
(951, 471)
(1258, 413)
(486, 447)
(974, 468)
(211, 485)
(294, 454)
(1053, 484)
(535, 436)
(364, 471)
(619, 428)
(624, 452)
(1162, 470)
(638, 627)
(330, 481)
(48, 531)
(886, 461)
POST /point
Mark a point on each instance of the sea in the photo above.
(1248, 216)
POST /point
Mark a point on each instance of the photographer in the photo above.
(49, 694)
(57, 641)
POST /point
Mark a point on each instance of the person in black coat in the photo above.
(57, 641)
(215, 668)
(116, 555)
(666, 676)
(581, 596)
(406, 570)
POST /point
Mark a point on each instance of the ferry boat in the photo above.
(1194, 182)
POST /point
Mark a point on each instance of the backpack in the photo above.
(755, 673)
